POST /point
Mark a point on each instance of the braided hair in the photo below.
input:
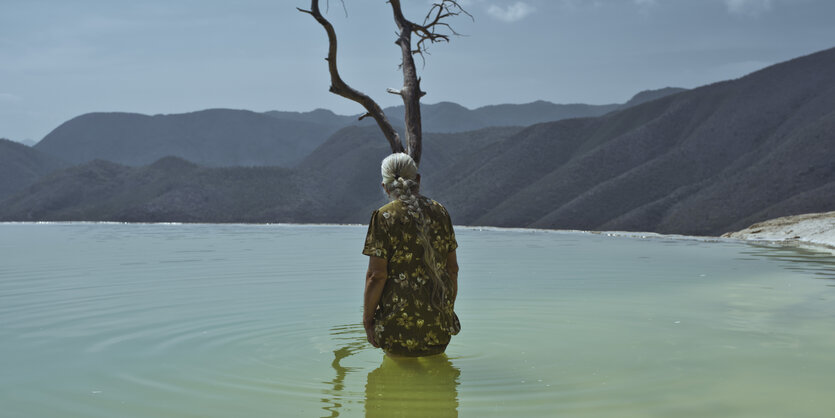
(399, 173)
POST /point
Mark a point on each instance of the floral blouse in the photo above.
(405, 322)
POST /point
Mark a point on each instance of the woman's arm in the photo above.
(452, 269)
(375, 279)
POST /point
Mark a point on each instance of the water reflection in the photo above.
(399, 387)
(351, 338)
(819, 263)
(413, 387)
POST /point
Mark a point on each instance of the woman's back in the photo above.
(415, 315)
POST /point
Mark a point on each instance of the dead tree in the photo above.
(433, 29)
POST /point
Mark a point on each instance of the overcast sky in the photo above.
(61, 58)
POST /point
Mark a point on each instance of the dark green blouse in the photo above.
(405, 322)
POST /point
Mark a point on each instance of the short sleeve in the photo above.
(453, 244)
(377, 241)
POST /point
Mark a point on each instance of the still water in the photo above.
(112, 320)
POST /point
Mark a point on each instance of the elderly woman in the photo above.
(412, 277)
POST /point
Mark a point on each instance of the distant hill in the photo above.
(319, 116)
(175, 190)
(346, 168)
(704, 161)
(447, 117)
(216, 137)
(170, 190)
(650, 95)
(21, 166)
(226, 137)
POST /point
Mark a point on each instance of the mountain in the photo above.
(450, 117)
(650, 95)
(318, 116)
(702, 162)
(346, 168)
(447, 117)
(216, 137)
(225, 137)
(444, 117)
(21, 166)
(705, 161)
(175, 190)
(169, 190)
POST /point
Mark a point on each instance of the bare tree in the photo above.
(433, 29)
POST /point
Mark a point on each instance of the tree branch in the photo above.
(432, 23)
(339, 87)
(431, 31)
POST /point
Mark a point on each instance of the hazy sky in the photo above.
(63, 58)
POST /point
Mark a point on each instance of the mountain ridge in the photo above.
(232, 137)
(699, 162)
(21, 166)
(213, 137)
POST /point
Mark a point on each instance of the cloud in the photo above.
(748, 7)
(645, 6)
(8, 97)
(512, 13)
(464, 3)
(574, 5)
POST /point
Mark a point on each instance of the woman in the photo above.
(412, 277)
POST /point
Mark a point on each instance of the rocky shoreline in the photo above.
(815, 230)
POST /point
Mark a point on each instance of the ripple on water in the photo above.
(183, 320)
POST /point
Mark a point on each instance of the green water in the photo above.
(110, 320)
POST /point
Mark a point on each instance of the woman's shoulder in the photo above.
(390, 211)
(436, 206)
(393, 206)
(397, 209)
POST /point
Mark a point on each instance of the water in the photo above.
(104, 320)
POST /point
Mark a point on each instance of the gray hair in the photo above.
(399, 173)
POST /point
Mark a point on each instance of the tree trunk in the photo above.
(410, 92)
